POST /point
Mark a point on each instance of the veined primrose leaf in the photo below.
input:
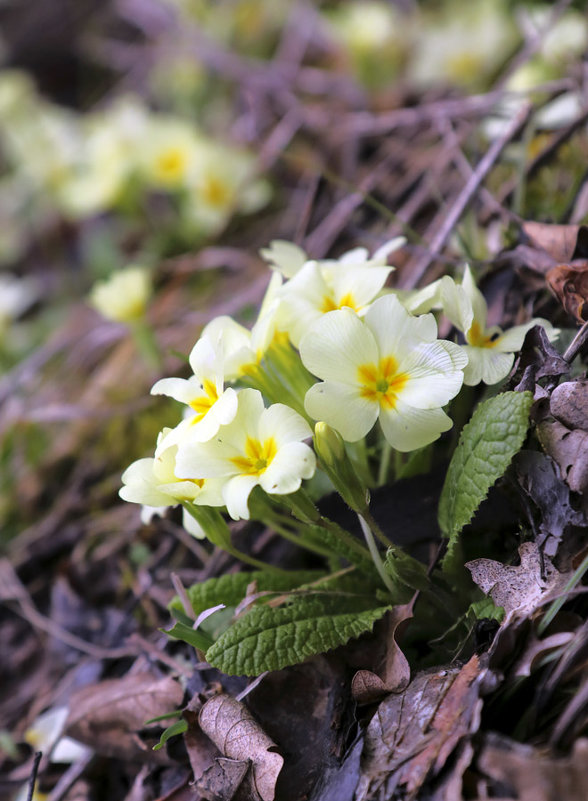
(486, 447)
(232, 588)
(268, 638)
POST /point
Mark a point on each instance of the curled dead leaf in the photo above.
(569, 448)
(108, 715)
(569, 283)
(393, 674)
(528, 774)
(238, 736)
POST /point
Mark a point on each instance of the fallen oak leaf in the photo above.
(108, 715)
(562, 242)
(413, 734)
(393, 674)
(518, 588)
(238, 736)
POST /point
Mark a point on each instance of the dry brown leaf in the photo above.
(569, 283)
(413, 734)
(394, 674)
(570, 450)
(525, 773)
(107, 715)
(569, 404)
(517, 587)
(238, 736)
(559, 241)
(537, 648)
(221, 781)
(201, 752)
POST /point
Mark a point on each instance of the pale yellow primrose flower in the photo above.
(491, 351)
(260, 447)
(285, 257)
(46, 735)
(168, 153)
(154, 484)
(209, 404)
(244, 348)
(111, 141)
(124, 295)
(220, 181)
(319, 287)
(388, 365)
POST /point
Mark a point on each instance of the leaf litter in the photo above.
(86, 585)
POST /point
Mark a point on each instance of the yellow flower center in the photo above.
(478, 338)
(329, 304)
(203, 403)
(171, 165)
(257, 458)
(216, 192)
(381, 383)
(463, 66)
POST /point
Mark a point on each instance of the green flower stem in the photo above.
(336, 538)
(375, 554)
(369, 518)
(282, 524)
(146, 342)
(218, 532)
(384, 463)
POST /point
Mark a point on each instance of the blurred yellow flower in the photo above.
(123, 297)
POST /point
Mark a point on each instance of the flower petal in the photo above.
(183, 390)
(336, 345)
(283, 424)
(407, 429)
(395, 330)
(293, 462)
(435, 374)
(205, 361)
(236, 494)
(284, 256)
(360, 283)
(487, 365)
(343, 408)
(140, 485)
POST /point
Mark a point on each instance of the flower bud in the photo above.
(328, 444)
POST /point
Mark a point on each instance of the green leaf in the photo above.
(486, 447)
(179, 727)
(268, 638)
(232, 588)
(406, 569)
(194, 637)
(485, 609)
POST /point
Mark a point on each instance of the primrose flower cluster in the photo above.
(115, 159)
(334, 352)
